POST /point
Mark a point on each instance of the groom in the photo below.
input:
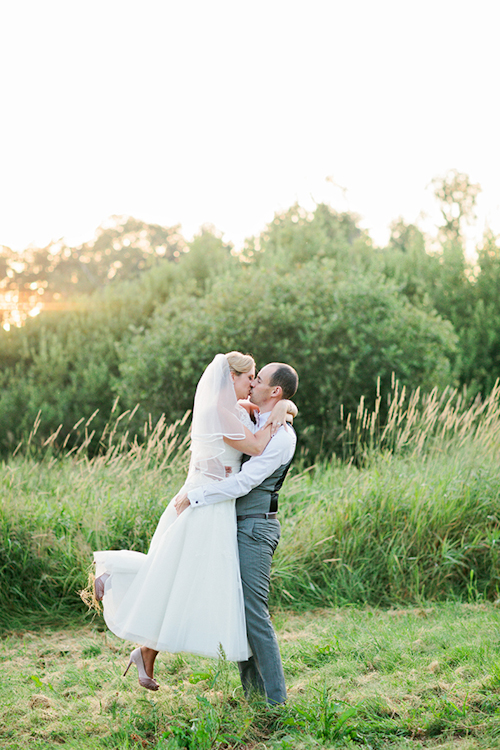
(256, 488)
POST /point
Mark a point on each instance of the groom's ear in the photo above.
(277, 391)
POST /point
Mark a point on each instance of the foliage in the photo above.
(62, 372)
(208, 258)
(65, 364)
(480, 337)
(296, 237)
(418, 521)
(311, 289)
(457, 199)
(54, 513)
(122, 248)
(340, 332)
(460, 291)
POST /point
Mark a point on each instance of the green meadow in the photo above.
(384, 591)
(424, 677)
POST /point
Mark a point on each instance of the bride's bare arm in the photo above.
(291, 408)
(251, 444)
(254, 444)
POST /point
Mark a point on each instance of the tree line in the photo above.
(141, 313)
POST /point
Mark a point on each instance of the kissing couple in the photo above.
(204, 583)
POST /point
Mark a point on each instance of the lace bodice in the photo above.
(245, 419)
(231, 458)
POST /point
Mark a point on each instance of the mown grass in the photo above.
(425, 678)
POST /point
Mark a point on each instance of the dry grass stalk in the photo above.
(418, 422)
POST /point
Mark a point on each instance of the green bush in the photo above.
(341, 333)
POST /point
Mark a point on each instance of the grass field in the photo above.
(402, 530)
(421, 678)
(384, 588)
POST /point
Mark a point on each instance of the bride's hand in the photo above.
(278, 416)
(252, 409)
(181, 502)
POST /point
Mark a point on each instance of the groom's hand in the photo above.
(181, 502)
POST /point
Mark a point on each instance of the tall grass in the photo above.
(418, 423)
(400, 530)
(412, 515)
(57, 506)
(416, 515)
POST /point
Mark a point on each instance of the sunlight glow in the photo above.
(340, 106)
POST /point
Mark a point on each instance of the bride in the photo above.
(185, 594)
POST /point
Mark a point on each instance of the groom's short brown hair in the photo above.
(286, 377)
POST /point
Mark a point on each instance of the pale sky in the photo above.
(224, 112)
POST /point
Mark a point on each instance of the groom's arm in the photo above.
(279, 451)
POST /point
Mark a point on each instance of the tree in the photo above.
(340, 333)
(408, 265)
(51, 277)
(457, 198)
(480, 334)
(296, 236)
(207, 257)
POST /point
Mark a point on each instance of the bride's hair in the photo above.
(239, 362)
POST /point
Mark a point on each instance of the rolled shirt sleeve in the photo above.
(278, 451)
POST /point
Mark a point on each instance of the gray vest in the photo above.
(264, 498)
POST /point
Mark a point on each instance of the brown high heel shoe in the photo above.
(147, 682)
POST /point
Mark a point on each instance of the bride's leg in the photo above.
(99, 586)
(148, 656)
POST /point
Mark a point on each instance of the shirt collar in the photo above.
(263, 417)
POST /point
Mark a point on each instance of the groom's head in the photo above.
(274, 382)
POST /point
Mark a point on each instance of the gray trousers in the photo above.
(263, 672)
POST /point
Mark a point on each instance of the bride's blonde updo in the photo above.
(239, 363)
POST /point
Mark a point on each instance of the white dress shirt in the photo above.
(277, 452)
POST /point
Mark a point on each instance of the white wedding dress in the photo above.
(185, 594)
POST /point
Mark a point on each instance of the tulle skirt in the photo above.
(185, 594)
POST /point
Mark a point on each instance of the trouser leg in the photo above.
(263, 672)
(251, 678)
